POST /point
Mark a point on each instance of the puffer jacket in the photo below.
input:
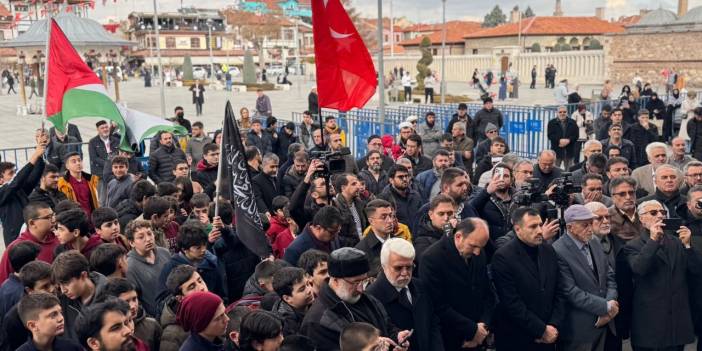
(292, 319)
(147, 329)
(173, 335)
(424, 236)
(162, 161)
(406, 205)
(426, 181)
(66, 188)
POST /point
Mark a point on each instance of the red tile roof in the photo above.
(551, 26)
(455, 31)
(4, 12)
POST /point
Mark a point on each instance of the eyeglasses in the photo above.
(47, 217)
(695, 175)
(491, 131)
(629, 193)
(602, 218)
(662, 212)
(332, 230)
(399, 269)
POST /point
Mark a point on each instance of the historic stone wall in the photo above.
(648, 53)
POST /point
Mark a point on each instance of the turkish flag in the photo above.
(346, 77)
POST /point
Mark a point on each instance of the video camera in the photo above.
(564, 187)
(332, 162)
(530, 195)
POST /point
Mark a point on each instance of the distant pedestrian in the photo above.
(11, 84)
(533, 78)
(407, 85)
(198, 97)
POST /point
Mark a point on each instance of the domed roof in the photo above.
(692, 16)
(657, 18)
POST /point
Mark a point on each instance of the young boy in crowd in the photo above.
(105, 327)
(359, 336)
(73, 233)
(107, 227)
(200, 203)
(146, 329)
(261, 282)
(79, 286)
(35, 277)
(203, 315)
(282, 228)
(182, 281)
(109, 260)
(118, 188)
(41, 315)
(131, 209)
(192, 243)
(159, 213)
(260, 330)
(314, 262)
(145, 262)
(235, 316)
(295, 298)
(12, 289)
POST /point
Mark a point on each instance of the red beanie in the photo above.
(197, 311)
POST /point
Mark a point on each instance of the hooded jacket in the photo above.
(279, 235)
(209, 269)
(206, 175)
(72, 308)
(46, 251)
(64, 186)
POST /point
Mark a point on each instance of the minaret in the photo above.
(559, 11)
(682, 8)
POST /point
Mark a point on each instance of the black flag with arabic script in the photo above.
(248, 221)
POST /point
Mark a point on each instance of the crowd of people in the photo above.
(438, 238)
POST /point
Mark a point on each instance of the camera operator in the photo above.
(592, 185)
(310, 195)
(494, 201)
(335, 145)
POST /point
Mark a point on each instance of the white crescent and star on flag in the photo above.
(344, 45)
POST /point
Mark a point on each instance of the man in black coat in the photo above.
(405, 298)
(206, 169)
(526, 277)
(661, 263)
(692, 215)
(343, 301)
(47, 191)
(15, 188)
(455, 271)
(407, 201)
(545, 169)
(264, 184)
(163, 160)
(101, 147)
(563, 135)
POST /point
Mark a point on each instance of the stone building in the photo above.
(577, 32)
(659, 40)
(455, 30)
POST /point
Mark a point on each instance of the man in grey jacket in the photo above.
(587, 281)
(430, 133)
(488, 114)
(193, 151)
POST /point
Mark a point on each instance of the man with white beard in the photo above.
(404, 297)
(343, 301)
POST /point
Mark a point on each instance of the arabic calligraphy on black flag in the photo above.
(248, 221)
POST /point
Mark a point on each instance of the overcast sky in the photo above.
(418, 10)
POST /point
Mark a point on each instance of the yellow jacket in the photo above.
(402, 232)
(65, 187)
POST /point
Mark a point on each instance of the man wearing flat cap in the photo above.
(343, 301)
(588, 283)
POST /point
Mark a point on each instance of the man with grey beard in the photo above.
(374, 176)
(343, 301)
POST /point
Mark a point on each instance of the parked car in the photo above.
(199, 73)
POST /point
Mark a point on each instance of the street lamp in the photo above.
(209, 44)
(443, 53)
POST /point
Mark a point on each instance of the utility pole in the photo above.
(381, 69)
(160, 65)
(443, 53)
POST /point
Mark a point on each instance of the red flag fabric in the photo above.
(66, 70)
(346, 77)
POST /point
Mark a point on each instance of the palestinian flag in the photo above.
(75, 91)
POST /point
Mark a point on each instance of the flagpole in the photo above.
(219, 170)
(160, 66)
(381, 69)
(46, 67)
